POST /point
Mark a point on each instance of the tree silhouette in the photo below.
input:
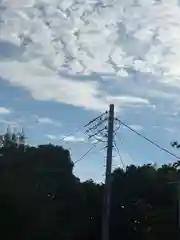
(41, 198)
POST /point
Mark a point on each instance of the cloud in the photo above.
(47, 38)
(45, 84)
(51, 137)
(70, 138)
(171, 130)
(91, 53)
(136, 127)
(124, 101)
(47, 120)
(5, 111)
(18, 3)
(74, 139)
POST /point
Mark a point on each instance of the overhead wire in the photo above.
(84, 155)
(67, 144)
(70, 134)
(120, 157)
(149, 140)
(77, 130)
(93, 120)
(129, 155)
(81, 127)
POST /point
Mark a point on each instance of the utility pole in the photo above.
(179, 205)
(178, 202)
(107, 187)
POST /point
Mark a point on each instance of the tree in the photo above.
(41, 183)
(40, 198)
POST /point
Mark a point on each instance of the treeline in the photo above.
(40, 198)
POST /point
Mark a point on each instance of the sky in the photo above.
(62, 62)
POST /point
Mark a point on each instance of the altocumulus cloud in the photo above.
(134, 45)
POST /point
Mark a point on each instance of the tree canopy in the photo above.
(40, 198)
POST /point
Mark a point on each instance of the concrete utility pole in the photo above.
(107, 187)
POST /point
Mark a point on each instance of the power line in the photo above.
(81, 158)
(70, 134)
(82, 127)
(149, 140)
(93, 120)
(129, 155)
(65, 144)
(120, 157)
(96, 126)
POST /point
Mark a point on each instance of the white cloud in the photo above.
(148, 31)
(4, 111)
(69, 138)
(45, 84)
(171, 130)
(138, 38)
(47, 120)
(122, 53)
(51, 137)
(128, 100)
(136, 127)
(74, 139)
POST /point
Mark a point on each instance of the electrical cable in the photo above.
(120, 157)
(101, 115)
(149, 140)
(123, 142)
(95, 126)
(81, 158)
(78, 129)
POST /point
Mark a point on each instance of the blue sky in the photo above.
(63, 62)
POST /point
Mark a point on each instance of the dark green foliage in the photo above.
(40, 198)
